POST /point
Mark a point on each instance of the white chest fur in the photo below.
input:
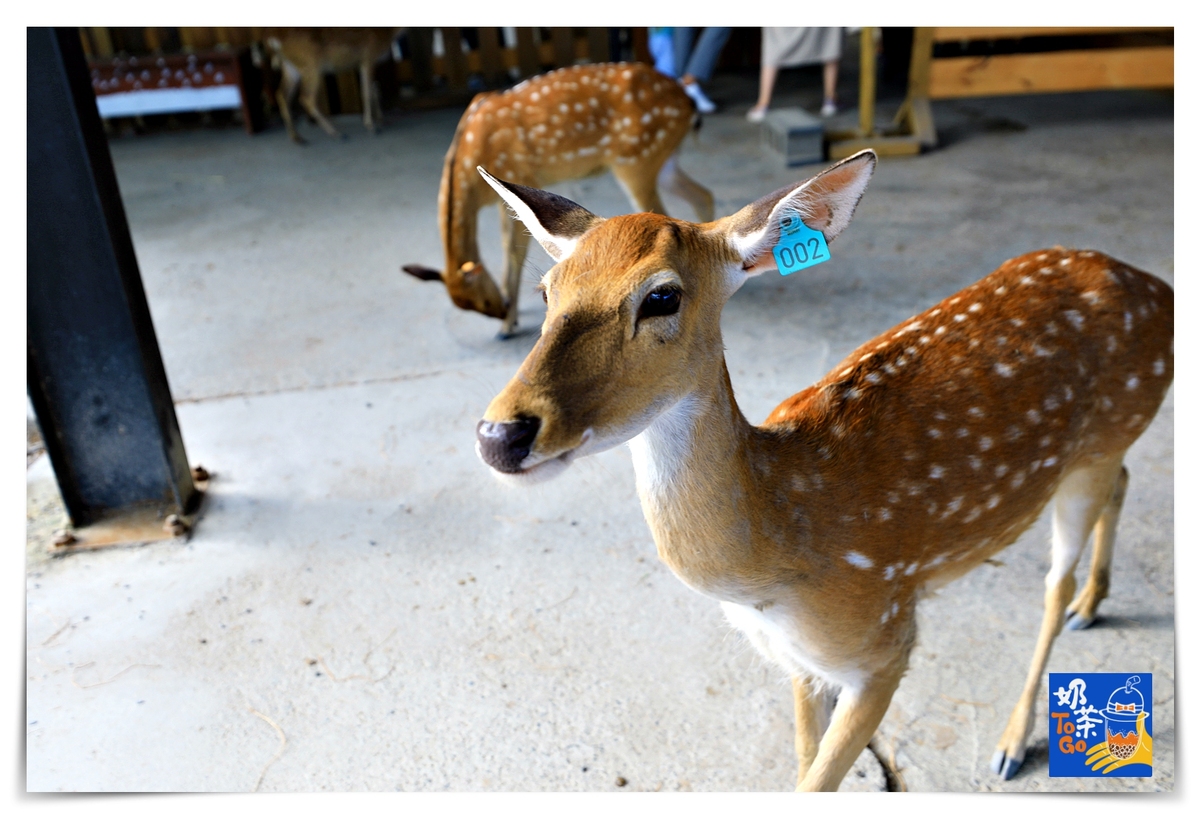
(777, 634)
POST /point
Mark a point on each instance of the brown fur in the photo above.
(567, 124)
(923, 453)
(308, 54)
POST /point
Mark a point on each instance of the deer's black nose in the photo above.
(504, 445)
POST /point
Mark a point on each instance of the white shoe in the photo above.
(703, 104)
(829, 108)
(756, 114)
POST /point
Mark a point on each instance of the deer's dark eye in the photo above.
(545, 298)
(663, 301)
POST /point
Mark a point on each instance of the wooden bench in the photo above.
(1032, 61)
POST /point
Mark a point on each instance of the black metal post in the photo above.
(96, 377)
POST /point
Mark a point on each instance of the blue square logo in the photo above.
(1101, 725)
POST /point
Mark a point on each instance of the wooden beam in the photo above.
(882, 145)
(960, 33)
(1052, 71)
(456, 65)
(866, 84)
(490, 61)
(597, 39)
(527, 53)
(563, 42)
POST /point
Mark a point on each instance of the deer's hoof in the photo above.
(1005, 765)
(1077, 621)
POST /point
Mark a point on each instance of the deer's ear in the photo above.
(825, 202)
(556, 222)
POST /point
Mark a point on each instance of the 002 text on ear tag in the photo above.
(799, 246)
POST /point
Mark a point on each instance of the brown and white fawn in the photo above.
(307, 54)
(923, 453)
(567, 124)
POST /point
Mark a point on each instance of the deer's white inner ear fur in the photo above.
(825, 202)
(559, 247)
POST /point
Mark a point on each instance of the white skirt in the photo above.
(787, 47)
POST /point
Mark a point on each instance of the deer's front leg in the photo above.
(515, 241)
(813, 707)
(855, 717)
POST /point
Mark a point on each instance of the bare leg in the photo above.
(829, 75)
(1078, 504)
(766, 86)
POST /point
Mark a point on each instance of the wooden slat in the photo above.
(597, 42)
(102, 42)
(1053, 71)
(420, 42)
(527, 53)
(349, 99)
(153, 40)
(563, 41)
(490, 62)
(956, 34)
(456, 64)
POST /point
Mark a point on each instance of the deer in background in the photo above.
(567, 124)
(307, 54)
(925, 452)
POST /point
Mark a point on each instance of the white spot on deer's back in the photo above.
(858, 560)
(1159, 367)
(1074, 317)
(985, 443)
(936, 472)
(1132, 382)
(1003, 370)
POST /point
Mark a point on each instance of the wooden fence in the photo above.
(430, 70)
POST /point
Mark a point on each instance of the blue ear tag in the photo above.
(799, 246)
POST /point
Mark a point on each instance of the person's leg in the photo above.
(766, 84)
(699, 66)
(829, 107)
(681, 46)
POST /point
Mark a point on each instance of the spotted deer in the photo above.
(925, 452)
(567, 124)
(307, 54)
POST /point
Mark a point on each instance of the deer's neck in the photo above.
(458, 207)
(700, 478)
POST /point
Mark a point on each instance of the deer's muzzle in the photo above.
(505, 445)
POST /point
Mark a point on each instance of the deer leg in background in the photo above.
(284, 96)
(310, 84)
(1083, 610)
(640, 184)
(1078, 503)
(673, 180)
(365, 73)
(814, 705)
(855, 718)
(514, 238)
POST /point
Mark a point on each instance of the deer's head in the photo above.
(633, 314)
(471, 287)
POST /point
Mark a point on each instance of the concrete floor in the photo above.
(363, 607)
